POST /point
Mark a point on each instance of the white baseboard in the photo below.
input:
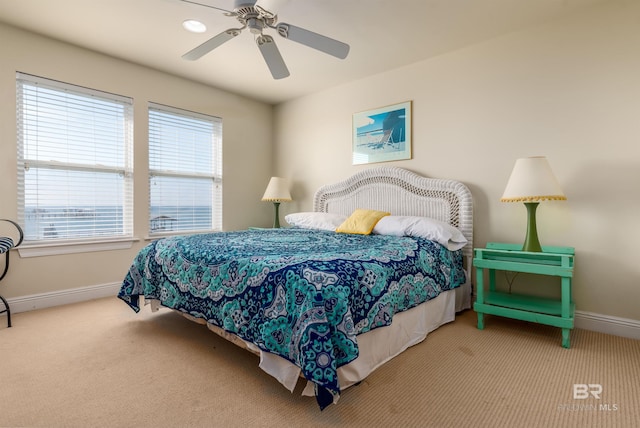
(62, 297)
(607, 324)
(586, 320)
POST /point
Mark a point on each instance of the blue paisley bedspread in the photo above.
(301, 294)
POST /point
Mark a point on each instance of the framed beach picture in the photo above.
(382, 134)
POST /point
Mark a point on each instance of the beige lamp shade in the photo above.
(531, 181)
(277, 190)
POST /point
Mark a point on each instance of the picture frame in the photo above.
(382, 134)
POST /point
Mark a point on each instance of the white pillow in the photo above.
(394, 225)
(315, 220)
(422, 227)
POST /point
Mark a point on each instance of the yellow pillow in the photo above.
(361, 221)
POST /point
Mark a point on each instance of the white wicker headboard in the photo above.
(401, 192)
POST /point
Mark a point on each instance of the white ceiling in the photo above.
(383, 35)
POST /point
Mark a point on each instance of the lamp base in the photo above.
(531, 242)
(276, 220)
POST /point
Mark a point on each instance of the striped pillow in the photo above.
(5, 244)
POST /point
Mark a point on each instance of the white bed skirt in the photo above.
(376, 346)
(463, 293)
(382, 344)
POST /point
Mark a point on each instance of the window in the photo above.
(75, 162)
(185, 171)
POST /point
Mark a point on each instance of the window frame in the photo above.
(215, 174)
(96, 242)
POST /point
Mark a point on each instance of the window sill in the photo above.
(73, 247)
(161, 235)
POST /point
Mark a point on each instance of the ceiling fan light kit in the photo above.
(256, 15)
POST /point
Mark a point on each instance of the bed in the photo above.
(317, 304)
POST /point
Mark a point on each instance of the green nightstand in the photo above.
(552, 261)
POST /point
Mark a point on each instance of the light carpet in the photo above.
(99, 364)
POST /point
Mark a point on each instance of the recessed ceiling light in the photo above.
(194, 26)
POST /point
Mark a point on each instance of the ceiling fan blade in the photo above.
(211, 44)
(272, 57)
(313, 40)
(269, 8)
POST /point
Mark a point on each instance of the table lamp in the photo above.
(532, 181)
(277, 191)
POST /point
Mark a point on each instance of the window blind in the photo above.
(185, 171)
(75, 161)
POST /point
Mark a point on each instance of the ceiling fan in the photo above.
(258, 15)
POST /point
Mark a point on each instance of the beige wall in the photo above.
(569, 90)
(247, 151)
